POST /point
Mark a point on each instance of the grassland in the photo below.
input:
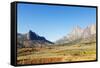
(57, 53)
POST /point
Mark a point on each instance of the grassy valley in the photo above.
(79, 45)
(57, 53)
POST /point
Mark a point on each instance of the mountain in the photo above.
(78, 34)
(31, 39)
(75, 34)
(89, 31)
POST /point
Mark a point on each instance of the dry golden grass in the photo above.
(77, 52)
(39, 60)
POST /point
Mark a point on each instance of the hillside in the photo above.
(31, 39)
(78, 34)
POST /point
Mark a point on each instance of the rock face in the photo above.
(79, 34)
(31, 39)
(75, 34)
(89, 31)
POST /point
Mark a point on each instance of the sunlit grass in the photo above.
(62, 53)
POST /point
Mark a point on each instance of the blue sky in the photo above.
(53, 22)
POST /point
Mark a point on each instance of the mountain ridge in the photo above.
(31, 39)
(78, 33)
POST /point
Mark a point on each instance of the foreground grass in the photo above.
(52, 54)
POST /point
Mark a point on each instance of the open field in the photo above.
(57, 53)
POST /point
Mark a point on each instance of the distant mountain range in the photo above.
(31, 39)
(79, 34)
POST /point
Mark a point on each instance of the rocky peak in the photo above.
(32, 35)
(78, 33)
